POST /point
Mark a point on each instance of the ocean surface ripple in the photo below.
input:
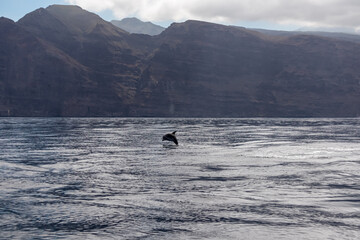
(113, 178)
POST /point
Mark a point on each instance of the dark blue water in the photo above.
(109, 178)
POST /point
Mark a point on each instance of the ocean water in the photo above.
(113, 178)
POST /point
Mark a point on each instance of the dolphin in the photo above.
(170, 137)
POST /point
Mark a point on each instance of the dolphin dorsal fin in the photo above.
(174, 132)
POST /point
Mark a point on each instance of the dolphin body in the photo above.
(170, 137)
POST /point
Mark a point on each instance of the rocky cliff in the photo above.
(64, 61)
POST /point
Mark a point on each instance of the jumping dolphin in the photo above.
(170, 137)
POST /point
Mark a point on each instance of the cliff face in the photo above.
(205, 68)
(35, 77)
(64, 61)
(84, 65)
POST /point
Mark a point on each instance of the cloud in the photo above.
(310, 13)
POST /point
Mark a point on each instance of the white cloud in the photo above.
(311, 13)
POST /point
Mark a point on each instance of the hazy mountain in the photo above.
(64, 61)
(134, 25)
(336, 35)
(329, 30)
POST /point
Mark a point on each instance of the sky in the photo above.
(338, 15)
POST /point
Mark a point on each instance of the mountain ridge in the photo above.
(191, 69)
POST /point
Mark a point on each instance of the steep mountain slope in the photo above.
(236, 72)
(65, 61)
(207, 66)
(112, 58)
(35, 76)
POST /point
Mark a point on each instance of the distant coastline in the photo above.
(63, 61)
